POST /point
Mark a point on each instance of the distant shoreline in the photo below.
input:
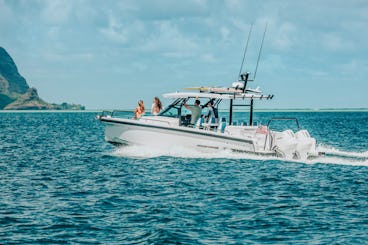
(221, 110)
(315, 110)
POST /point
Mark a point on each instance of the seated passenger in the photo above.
(156, 106)
(196, 111)
(139, 111)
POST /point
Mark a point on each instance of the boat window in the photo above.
(191, 102)
(171, 112)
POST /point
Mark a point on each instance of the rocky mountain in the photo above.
(10, 79)
(29, 101)
(15, 94)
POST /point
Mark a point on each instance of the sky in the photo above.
(109, 54)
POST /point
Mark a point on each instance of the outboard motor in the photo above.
(285, 143)
(306, 144)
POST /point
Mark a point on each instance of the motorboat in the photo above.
(172, 125)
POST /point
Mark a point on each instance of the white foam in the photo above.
(338, 161)
(333, 156)
(333, 151)
(135, 151)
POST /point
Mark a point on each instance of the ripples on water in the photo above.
(60, 182)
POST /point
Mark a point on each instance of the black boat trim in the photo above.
(176, 129)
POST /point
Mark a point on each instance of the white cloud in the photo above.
(240, 24)
(283, 36)
(352, 68)
(235, 5)
(164, 9)
(177, 54)
(68, 57)
(334, 42)
(5, 13)
(123, 30)
(56, 11)
(54, 33)
(208, 58)
(115, 30)
(167, 39)
(225, 33)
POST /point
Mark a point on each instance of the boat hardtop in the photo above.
(214, 95)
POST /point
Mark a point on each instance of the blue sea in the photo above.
(60, 183)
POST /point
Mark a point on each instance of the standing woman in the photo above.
(139, 111)
(156, 106)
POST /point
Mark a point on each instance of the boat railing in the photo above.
(120, 113)
(114, 113)
(106, 113)
(269, 136)
(103, 114)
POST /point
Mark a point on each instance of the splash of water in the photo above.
(329, 150)
(333, 156)
(135, 151)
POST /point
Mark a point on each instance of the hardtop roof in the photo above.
(227, 96)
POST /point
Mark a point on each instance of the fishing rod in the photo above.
(246, 48)
(260, 51)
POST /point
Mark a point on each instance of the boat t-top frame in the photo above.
(217, 95)
(238, 90)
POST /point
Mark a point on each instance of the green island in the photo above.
(15, 93)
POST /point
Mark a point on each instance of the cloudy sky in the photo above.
(109, 54)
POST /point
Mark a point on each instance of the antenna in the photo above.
(260, 51)
(246, 48)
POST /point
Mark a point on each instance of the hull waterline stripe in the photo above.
(177, 129)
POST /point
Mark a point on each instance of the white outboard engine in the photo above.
(285, 143)
(306, 144)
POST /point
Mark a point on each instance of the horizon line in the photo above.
(221, 110)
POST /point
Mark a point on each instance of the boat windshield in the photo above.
(173, 110)
(177, 109)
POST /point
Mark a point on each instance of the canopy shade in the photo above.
(178, 95)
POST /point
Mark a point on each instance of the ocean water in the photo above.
(61, 183)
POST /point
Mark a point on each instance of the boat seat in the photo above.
(222, 125)
(199, 123)
(211, 125)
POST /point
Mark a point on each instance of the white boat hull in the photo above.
(127, 131)
(164, 132)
